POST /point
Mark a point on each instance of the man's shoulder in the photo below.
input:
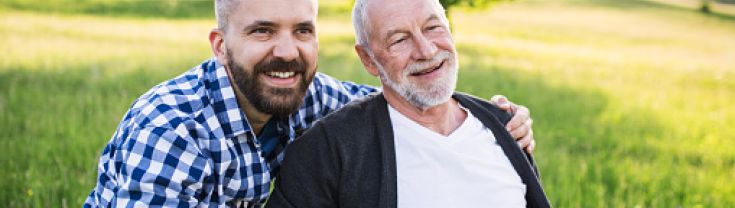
(482, 106)
(350, 124)
(173, 101)
(356, 112)
(325, 85)
(350, 131)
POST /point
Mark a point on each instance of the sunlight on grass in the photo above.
(59, 42)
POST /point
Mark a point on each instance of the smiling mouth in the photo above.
(281, 75)
(281, 79)
(428, 70)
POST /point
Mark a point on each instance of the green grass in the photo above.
(631, 101)
(178, 9)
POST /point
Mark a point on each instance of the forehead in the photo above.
(388, 14)
(274, 10)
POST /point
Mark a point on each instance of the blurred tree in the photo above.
(705, 7)
(449, 4)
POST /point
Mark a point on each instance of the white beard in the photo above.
(424, 96)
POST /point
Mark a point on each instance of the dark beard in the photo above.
(278, 102)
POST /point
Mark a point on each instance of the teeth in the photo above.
(426, 71)
(281, 75)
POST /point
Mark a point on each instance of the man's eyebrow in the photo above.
(393, 32)
(432, 17)
(259, 23)
(308, 24)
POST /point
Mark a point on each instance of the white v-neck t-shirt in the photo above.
(465, 169)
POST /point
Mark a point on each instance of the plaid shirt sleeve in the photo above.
(159, 167)
(154, 162)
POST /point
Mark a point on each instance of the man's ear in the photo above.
(217, 42)
(366, 60)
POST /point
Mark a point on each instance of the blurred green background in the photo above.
(632, 99)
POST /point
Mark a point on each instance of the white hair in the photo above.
(361, 21)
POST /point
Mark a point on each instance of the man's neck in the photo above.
(256, 119)
(443, 118)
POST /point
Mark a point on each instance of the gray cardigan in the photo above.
(347, 159)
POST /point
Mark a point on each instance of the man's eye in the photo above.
(260, 31)
(398, 41)
(304, 31)
(435, 27)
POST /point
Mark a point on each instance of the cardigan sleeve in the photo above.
(309, 173)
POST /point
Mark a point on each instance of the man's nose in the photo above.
(286, 48)
(425, 49)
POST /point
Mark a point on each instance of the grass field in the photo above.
(632, 100)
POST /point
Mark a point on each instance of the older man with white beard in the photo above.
(418, 143)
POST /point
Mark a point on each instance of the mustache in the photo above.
(435, 61)
(279, 65)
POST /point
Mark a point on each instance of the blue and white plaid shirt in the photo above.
(186, 143)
